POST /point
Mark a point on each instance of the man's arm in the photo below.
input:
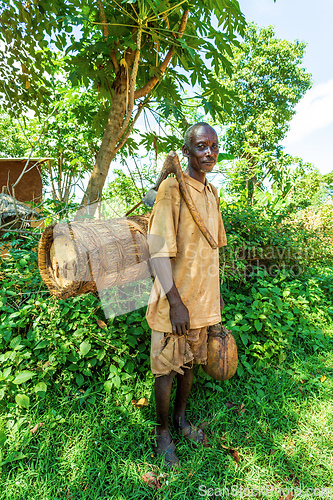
(179, 315)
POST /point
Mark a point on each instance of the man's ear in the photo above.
(185, 151)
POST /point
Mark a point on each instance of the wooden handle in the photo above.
(188, 199)
(167, 168)
(171, 165)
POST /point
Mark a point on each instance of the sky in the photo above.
(311, 130)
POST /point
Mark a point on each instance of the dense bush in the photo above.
(281, 238)
(277, 282)
(69, 343)
(63, 342)
(269, 316)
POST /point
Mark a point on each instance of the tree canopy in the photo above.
(267, 81)
(64, 133)
(125, 52)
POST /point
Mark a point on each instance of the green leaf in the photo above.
(100, 354)
(79, 379)
(22, 400)
(42, 344)
(113, 370)
(245, 338)
(3, 437)
(6, 372)
(15, 342)
(132, 341)
(225, 156)
(40, 389)
(85, 348)
(240, 371)
(117, 381)
(108, 386)
(73, 367)
(282, 357)
(13, 457)
(258, 325)
(260, 393)
(23, 376)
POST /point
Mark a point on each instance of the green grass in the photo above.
(101, 451)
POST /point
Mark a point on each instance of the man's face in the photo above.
(203, 149)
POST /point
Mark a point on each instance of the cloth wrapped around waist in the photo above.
(171, 352)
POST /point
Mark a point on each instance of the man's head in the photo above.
(201, 147)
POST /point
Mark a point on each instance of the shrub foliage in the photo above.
(274, 301)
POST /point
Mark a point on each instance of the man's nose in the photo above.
(209, 151)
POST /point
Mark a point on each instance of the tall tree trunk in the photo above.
(110, 138)
(118, 126)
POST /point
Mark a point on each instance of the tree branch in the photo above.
(51, 178)
(131, 86)
(129, 57)
(129, 130)
(267, 173)
(154, 80)
(132, 178)
(103, 19)
(140, 176)
(69, 178)
(106, 33)
(59, 177)
(65, 186)
(114, 60)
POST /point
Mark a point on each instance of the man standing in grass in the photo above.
(185, 298)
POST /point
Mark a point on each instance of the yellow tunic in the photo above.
(173, 233)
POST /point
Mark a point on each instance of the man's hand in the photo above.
(180, 319)
(221, 303)
(179, 316)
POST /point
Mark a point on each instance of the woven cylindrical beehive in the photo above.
(81, 257)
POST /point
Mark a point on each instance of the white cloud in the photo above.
(314, 112)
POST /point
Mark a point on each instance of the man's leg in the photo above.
(184, 385)
(163, 386)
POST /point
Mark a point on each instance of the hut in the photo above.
(13, 213)
(30, 186)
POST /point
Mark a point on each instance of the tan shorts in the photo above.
(173, 352)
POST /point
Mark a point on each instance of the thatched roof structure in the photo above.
(13, 211)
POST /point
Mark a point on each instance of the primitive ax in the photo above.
(171, 165)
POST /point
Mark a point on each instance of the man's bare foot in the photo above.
(165, 446)
(190, 432)
(180, 422)
(163, 438)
